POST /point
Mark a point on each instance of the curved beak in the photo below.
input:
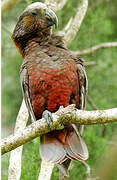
(51, 17)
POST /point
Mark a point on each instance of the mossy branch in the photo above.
(62, 117)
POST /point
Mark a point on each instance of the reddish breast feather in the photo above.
(50, 89)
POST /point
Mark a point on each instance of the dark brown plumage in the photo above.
(51, 77)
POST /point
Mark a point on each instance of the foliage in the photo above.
(98, 26)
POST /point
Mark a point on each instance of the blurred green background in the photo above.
(99, 25)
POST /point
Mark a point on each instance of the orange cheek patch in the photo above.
(28, 20)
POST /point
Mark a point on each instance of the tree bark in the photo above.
(63, 116)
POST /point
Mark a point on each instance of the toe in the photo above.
(47, 115)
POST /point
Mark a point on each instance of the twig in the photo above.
(14, 171)
(88, 172)
(95, 48)
(63, 116)
(91, 102)
(104, 129)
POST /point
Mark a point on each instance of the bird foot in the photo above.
(47, 115)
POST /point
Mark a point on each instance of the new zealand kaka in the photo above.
(51, 77)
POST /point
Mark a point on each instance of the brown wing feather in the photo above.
(83, 87)
(25, 90)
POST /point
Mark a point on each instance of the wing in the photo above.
(83, 88)
(24, 78)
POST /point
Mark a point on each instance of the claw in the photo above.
(47, 115)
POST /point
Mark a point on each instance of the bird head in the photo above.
(35, 18)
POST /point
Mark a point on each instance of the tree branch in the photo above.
(46, 170)
(55, 5)
(73, 25)
(95, 48)
(14, 171)
(63, 116)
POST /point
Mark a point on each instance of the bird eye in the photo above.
(34, 13)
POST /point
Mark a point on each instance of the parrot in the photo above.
(51, 77)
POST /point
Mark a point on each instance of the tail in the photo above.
(62, 146)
